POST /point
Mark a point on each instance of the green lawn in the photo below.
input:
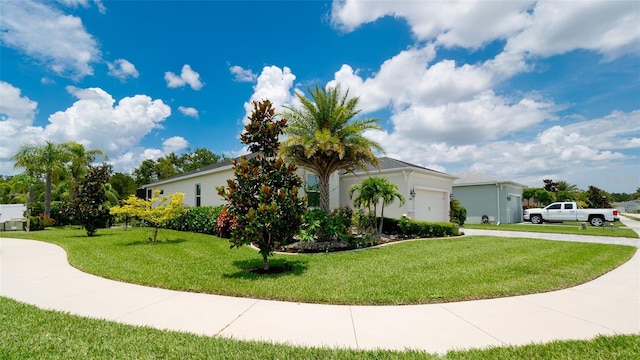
(618, 230)
(412, 272)
(29, 333)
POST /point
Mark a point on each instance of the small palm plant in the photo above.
(371, 192)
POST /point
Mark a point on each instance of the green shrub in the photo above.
(60, 212)
(458, 213)
(63, 212)
(318, 225)
(36, 223)
(343, 216)
(364, 222)
(409, 228)
(202, 219)
(392, 226)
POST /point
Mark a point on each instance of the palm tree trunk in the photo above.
(324, 192)
(381, 221)
(265, 262)
(47, 196)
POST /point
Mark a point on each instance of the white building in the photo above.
(427, 192)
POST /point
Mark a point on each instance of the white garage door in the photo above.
(431, 205)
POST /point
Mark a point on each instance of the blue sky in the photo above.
(522, 90)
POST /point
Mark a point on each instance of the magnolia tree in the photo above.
(263, 196)
(91, 205)
(156, 211)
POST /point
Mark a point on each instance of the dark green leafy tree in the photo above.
(144, 174)
(540, 196)
(199, 158)
(550, 185)
(123, 184)
(171, 165)
(597, 199)
(91, 205)
(263, 195)
(324, 136)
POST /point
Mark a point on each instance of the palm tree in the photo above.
(565, 186)
(371, 191)
(324, 137)
(22, 184)
(46, 160)
(79, 162)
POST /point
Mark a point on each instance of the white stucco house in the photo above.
(427, 192)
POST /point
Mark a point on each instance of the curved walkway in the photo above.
(38, 273)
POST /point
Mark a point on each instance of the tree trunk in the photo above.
(155, 234)
(265, 262)
(47, 196)
(381, 221)
(324, 192)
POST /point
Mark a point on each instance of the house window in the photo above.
(149, 194)
(313, 191)
(198, 193)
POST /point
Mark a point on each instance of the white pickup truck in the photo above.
(568, 211)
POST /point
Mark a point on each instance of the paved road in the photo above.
(38, 273)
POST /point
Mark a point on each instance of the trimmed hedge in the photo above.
(202, 219)
(419, 229)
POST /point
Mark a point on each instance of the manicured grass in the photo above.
(411, 272)
(30, 333)
(564, 228)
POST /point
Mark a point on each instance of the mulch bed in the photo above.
(334, 246)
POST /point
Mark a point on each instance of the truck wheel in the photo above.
(536, 219)
(596, 221)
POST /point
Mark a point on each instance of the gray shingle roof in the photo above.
(478, 178)
(387, 163)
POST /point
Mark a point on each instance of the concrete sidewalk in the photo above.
(38, 273)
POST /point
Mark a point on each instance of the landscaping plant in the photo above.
(263, 195)
(371, 192)
(91, 205)
(156, 211)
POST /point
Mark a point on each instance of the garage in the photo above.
(430, 205)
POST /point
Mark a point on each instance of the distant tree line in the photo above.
(593, 197)
(172, 165)
(55, 176)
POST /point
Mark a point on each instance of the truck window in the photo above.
(568, 206)
(555, 207)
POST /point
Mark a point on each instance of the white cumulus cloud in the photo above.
(186, 77)
(122, 69)
(274, 84)
(17, 113)
(51, 37)
(188, 111)
(242, 75)
(97, 121)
